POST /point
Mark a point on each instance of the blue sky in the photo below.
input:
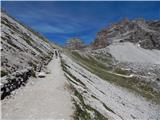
(59, 21)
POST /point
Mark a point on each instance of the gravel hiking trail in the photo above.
(42, 98)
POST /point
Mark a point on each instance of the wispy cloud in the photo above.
(62, 20)
(63, 29)
(55, 23)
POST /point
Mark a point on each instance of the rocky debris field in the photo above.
(97, 99)
(116, 78)
(145, 33)
(129, 57)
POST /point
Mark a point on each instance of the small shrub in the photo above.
(33, 74)
(3, 73)
(33, 65)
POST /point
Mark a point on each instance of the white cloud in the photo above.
(45, 22)
(68, 28)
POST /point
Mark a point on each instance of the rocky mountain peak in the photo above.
(139, 31)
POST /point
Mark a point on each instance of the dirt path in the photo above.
(42, 98)
(126, 76)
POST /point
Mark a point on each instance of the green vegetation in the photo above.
(132, 84)
(89, 61)
(33, 73)
(32, 64)
(105, 58)
(3, 73)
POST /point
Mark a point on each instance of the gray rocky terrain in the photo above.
(132, 45)
(144, 33)
(109, 100)
(42, 98)
(23, 52)
(21, 47)
(127, 55)
(115, 78)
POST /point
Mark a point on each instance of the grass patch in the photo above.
(105, 58)
(3, 73)
(89, 61)
(101, 70)
(32, 64)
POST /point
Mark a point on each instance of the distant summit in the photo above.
(145, 33)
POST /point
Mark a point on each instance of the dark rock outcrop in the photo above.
(14, 81)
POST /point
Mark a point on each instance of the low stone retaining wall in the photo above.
(19, 78)
(15, 80)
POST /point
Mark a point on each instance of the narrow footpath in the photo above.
(42, 98)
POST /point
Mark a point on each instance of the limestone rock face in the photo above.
(145, 33)
(23, 51)
(21, 47)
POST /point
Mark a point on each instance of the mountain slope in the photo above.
(118, 76)
(21, 47)
(132, 46)
(24, 52)
(100, 99)
(144, 33)
(24, 55)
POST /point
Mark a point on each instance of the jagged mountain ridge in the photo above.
(133, 44)
(145, 33)
(92, 93)
(21, 47)
(126, 55)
